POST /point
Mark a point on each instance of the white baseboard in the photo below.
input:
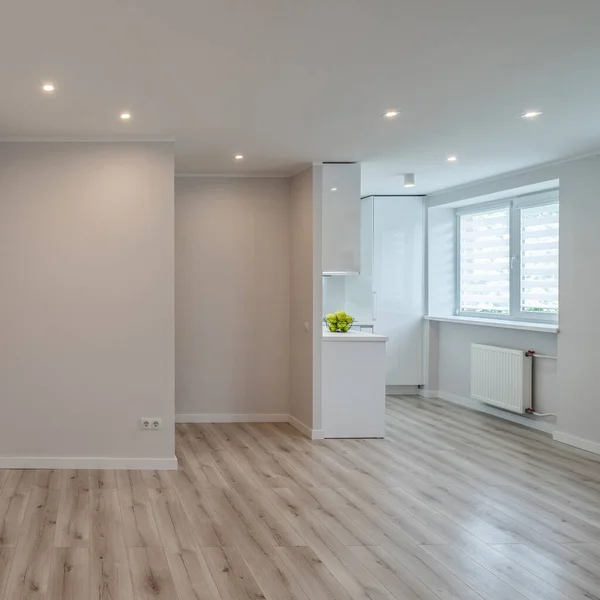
(401, 390)
(428, 393)
(231, 418)
(532, 422)
(48, 462)
(312, 434)
(301, 427)
(572, 440)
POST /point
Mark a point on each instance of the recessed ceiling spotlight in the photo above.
(239, 157)
(531, 114)
(334, 189)
(125, 116)
(452, 158)
(48, 88)
(390, 114)
(409, 180)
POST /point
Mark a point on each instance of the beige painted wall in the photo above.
(86, 302)
(306, 298)
(232, 295)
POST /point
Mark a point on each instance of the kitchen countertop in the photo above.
(352, 336)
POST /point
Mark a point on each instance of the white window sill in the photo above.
(523, 325)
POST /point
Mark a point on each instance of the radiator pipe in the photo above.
(533, 354)
(531, 411)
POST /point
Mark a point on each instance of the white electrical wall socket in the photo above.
(150, 423)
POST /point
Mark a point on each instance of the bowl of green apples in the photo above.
(339, 322)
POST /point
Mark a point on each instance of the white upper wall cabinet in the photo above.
(341, 218)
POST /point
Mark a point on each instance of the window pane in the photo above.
(539, 259)
(485, 262)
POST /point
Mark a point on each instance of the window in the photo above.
(508, 258)
(485, 261)
(538, 264)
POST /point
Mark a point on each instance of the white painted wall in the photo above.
(86, 308)
(578, 349)
(232, 297)
(334, 293)
(455, 358)
(306, 298)
(578, 342)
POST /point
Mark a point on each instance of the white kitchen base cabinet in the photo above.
(353, 385)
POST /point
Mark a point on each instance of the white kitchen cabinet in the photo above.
(353, 385)
(341, 218)
(390, 291)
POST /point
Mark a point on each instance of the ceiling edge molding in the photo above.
(304, 167)
(232, 175)
(501, 176)
(88, 139)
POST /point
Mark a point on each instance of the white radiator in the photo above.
(501, 377)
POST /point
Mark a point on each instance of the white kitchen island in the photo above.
(353, 385)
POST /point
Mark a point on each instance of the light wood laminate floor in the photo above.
(453, 504)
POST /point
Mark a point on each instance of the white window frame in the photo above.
(514, 205)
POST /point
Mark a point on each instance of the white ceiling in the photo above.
(289, 82)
